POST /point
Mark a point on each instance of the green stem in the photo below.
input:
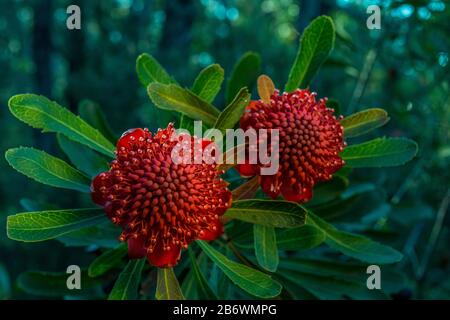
(434, 236)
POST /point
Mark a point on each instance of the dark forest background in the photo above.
(403, 68)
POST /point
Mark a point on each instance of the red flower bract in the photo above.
(161, 206)
(310, 139)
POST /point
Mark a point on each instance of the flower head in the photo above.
(310, 139)
(161, 206)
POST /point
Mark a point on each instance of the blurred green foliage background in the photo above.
(403, 68)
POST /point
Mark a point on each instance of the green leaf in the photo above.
(364, 121)
(346, 277)
(295, 290)
(270, 213)
(233, 112)
(189, 287)
(346, 270)
(39, 112)
(45, 225)
(342, 205)
(241, 234)
(150, 71)
(331, 288)
(244, 74)
(326, 267)
(316, 44)
(107, 260)
(353, 245)
(83, 158)
(328, 190)
(54, 284)
(266, 247)
(186, 123)
(103, 235)
(208, 82)
(250, 280)
(167, 286)
(223, 284)
(380, 152)
(46, 169)
(127, 285)
(172, 97)
(204, 291)
(91, 112)
(335, 209)
(301, 238)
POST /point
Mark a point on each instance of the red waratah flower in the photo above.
(160, 205)
(310, 139)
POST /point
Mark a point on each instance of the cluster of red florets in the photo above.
(161, 206)
(310, 139)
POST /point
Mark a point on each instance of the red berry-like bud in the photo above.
(310, 139)
(160, 204)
